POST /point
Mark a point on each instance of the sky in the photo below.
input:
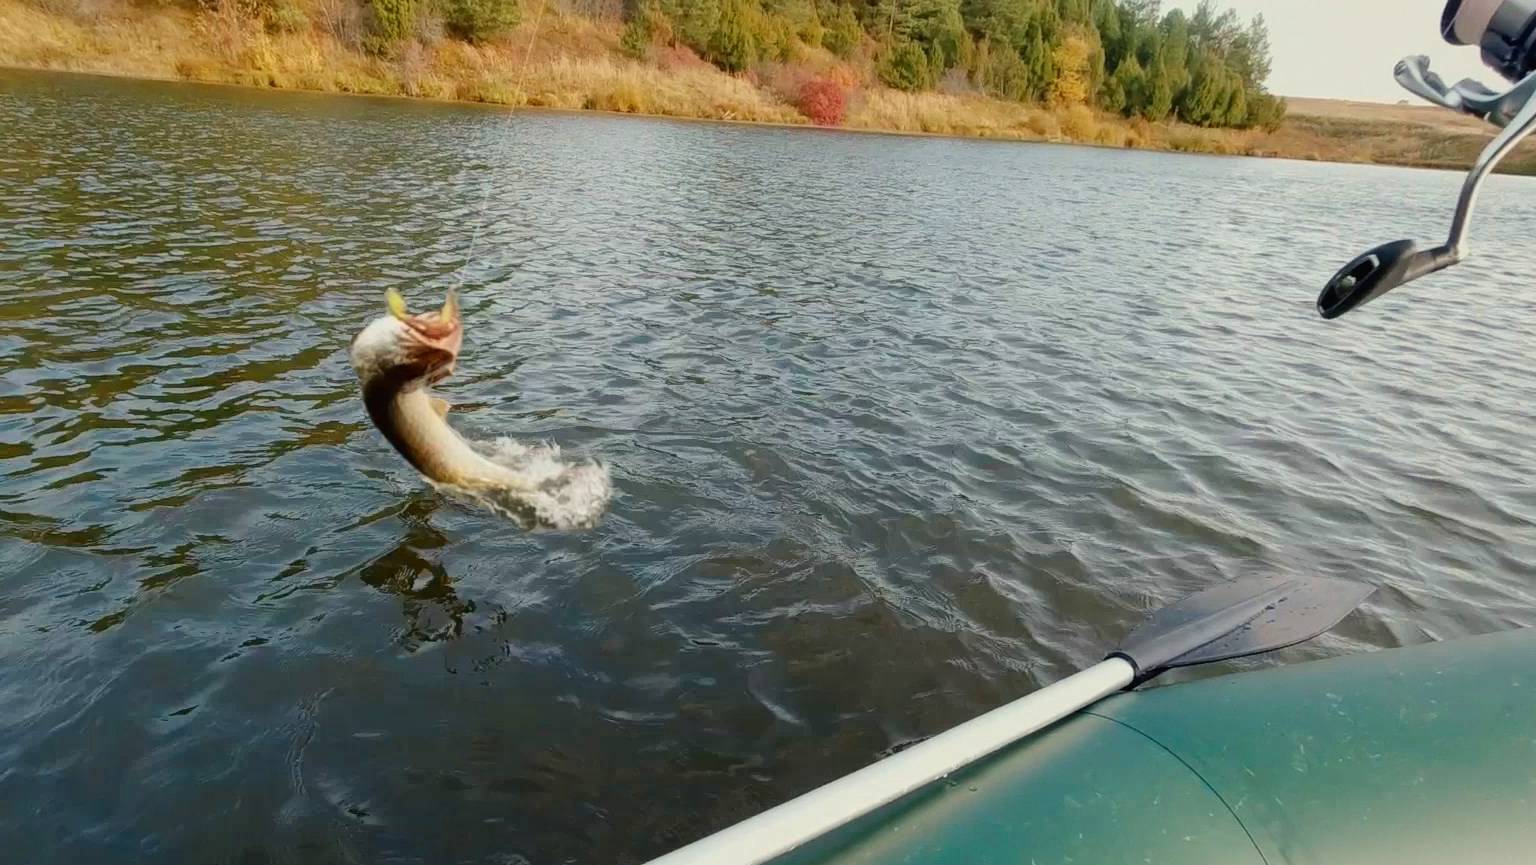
(1345, 49)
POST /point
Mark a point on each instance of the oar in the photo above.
(1232, 620)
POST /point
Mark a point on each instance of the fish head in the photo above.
(408, 347)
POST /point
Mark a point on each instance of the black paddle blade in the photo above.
(1236, 619)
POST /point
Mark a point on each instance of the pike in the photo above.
(397, 358)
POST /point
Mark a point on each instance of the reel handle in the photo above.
(1377, 272)
(1390, 265)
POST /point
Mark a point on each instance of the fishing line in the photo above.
(485, 195)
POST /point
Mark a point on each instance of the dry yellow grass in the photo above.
(1417, 114)
(128, 45)
(1418, 135)
(613, 84)
(574, 62)
(939, 113)
(981, 117)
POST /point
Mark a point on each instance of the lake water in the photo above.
(898, 428)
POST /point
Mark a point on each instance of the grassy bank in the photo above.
(558, 58)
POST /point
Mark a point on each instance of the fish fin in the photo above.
(439, 405)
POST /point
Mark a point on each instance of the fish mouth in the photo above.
(429, 341)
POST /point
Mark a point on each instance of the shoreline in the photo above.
(575, 65)
(721, 121)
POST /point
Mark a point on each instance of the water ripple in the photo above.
(900, 429)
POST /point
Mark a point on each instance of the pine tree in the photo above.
(904, 66)
(1039, 58)
(1124, 88)
(844, 34)
(694, 21)
(1159, 97)
(733, 46)
(1203, 98)
(1001, 72)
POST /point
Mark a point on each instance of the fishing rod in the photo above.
(1505, 31)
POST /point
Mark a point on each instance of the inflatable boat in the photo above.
(1416, 755)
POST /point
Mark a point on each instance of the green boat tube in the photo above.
(1416, 755)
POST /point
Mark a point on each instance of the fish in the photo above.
(397, 358)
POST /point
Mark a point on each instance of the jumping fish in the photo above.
(397, 357)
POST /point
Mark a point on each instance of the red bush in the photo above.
(824, 101)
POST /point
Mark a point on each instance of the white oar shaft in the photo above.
(785, 827)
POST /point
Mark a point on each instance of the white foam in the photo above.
(566, 494)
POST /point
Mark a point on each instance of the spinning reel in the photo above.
(1505, 30)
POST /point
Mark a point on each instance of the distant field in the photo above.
(1417, 135)
(1423, 115)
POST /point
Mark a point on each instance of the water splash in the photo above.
(566, 494)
